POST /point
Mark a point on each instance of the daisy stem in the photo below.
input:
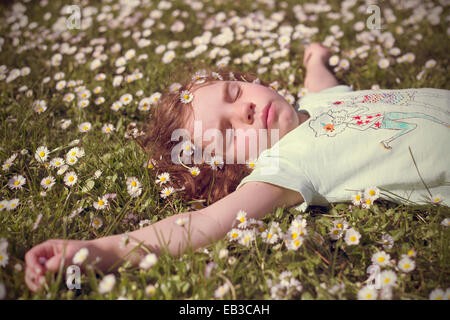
(210, 189)
(338, 243)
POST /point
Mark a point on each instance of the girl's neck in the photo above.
(302, 116)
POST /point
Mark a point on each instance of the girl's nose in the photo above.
(249, 110)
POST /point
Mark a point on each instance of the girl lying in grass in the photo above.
(335, 145)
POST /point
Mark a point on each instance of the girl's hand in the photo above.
(48, 256)
(316, 52)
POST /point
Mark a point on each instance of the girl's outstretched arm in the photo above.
(200, 229)
(315, 60)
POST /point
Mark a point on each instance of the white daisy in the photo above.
(251, 163)
(174, 87)
(144, 104)
(216, 162)
(381, 258)
(70, 160)
(108, 128)
(335, 234)
(84, 127)
(221, 291)
(186, 96)
(83, 103)
(352, 237)
(446, 222)
(12, 204)
(148, 261)
(150, 290)
(116, 106)
(406, 264)
(163, 178)
(242, 218)
(294, 244)
(437, 294)
(101, 203)
(80, 256)
(247, 237)
(97, 222)
(234, 234)
(16, 182)
(3, 205)
(41, 154)
(383, 63)
(65, 123)
(126, 99)
(166, 192)
(62, 169)
(107, 284)
(4, 258)
(367, 293)
(195, 171)
(182, 221)
(388, 278)
(57, 162)
(154, 98)
(70, 178)
(357, 198)
(47, 182)
(372, 193)
(437, 199)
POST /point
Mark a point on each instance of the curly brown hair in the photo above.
(168, 114)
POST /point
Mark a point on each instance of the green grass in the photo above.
(318, 267)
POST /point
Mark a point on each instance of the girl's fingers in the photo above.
(31, 280)
(33, 256)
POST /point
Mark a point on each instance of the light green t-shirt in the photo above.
(359, 139)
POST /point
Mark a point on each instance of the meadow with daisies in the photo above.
(69, 169)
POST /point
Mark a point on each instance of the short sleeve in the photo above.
(273, 166)
(337, 89)
(313, 99)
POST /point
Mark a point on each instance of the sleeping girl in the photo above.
(326, 149)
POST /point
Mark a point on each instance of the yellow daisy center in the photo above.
(294, 235)
(234, 235)
(297, 243)
(372, 193)
(163, 179)
(352, 238)
(42, 154)
(242, 219)
(358, 197)
(13, 205)
(48, 181)
(339, 225)
(71, 178)
(269, 235)
(16, 182)
(101, 202)
(133, 183)
(406, 266)
(381, 259)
